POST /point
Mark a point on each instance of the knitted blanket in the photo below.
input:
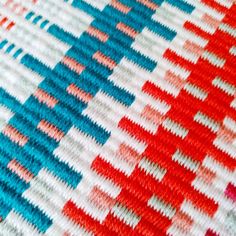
(118, 117)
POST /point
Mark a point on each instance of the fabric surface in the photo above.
(118, 117)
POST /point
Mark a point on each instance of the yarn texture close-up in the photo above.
(118, 117)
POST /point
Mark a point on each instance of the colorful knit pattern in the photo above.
(118, 117)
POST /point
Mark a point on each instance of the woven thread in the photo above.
(118, 117)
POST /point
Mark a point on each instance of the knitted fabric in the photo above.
(118, 117)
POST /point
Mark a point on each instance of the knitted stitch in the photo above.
(118, 117)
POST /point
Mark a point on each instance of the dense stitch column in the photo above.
(37, 120)
(165, 145)
(143, 226)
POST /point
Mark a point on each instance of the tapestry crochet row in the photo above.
(118, 117)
